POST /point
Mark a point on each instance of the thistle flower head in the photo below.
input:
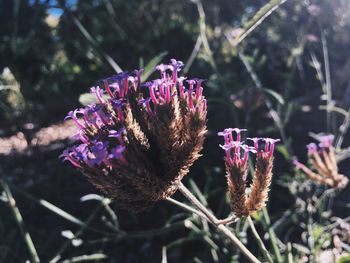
(138, 143)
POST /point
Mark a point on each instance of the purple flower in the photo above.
(199, 89)
(99, 151)
(256, 142)
(175, 67)
(297, 164)
(98, 92)
(311, 148)
(73, 115)
(67, 156)
(138, 73)
(118, 135)
(326, 141)
(146, 104)
(181, 86)
(117, 105)
(227, 134)
(75, 155)
(117, 153)
(270, 145)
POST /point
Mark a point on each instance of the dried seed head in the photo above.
(236, 171)
(322, 158)
(138, 144)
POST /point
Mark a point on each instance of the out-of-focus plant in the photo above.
(12, 103)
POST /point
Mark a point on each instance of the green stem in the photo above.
(272, 235)
(216, 223)
(289, 253)
(259, 241)
(19, 219)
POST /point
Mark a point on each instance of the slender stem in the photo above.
(258, 18)
(273, 113)
(19, 219)
(328, 81)
(343, 129)
(259, 240)
(183, 189)
(57, 256)
(228, 220)
(289, 253)
(186, 207)
(212, 219)
(272, 235)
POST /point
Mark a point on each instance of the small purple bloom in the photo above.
(107, 88)
(117, 153)
(73, 115)
(326, 141)
(99, 150)
(117, 134)
(297, 164)
(98, 92)
(311, 148)
(181, 86)
(117, 105)
(256, 142)
(146, 103)
(175, 67)
(270, 145)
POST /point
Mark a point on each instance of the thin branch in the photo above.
(258, 18)
(343, 130)
(274, 115)
(194, 54)
(19, 220)
(259, 240)
(212, 219)
(328, 79)
(186, 207)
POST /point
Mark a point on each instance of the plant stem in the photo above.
(272, 235)
(259, 240)
(212, 219)
(186, 207)
(19, 219)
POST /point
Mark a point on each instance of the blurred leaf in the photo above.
(284, 151)
(89, 98)
(256, 216)
(301, 248)
(275, 95)
(344, 259)
(150, 67)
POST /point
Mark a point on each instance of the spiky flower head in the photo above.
(322, 157)
(138, 142)
(236, 159)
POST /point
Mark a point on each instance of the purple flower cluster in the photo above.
(316, 151)
(162, 91)
(237, 153)
(102, 127)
